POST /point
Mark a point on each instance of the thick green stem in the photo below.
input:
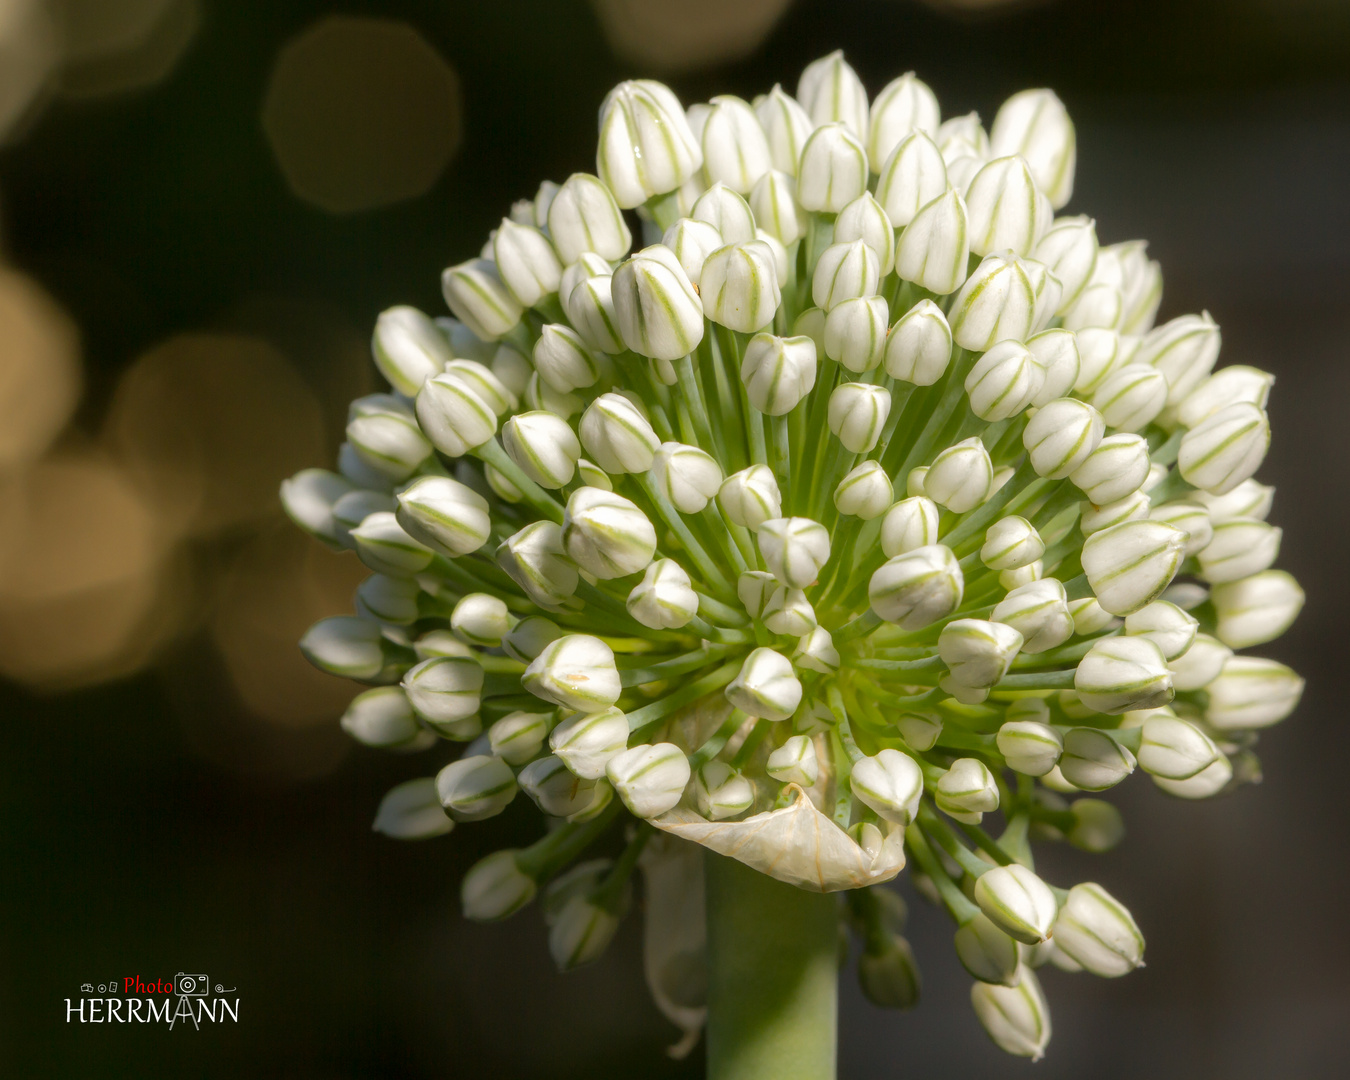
(773, 976)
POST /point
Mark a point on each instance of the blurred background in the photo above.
(203, 206)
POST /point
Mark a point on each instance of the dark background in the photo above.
(162, 820)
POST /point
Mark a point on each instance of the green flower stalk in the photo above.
(860, 516)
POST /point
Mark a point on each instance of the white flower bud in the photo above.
(692, 242)
(919, 346)
(794, 549)
(967, 790)
(831, 92)
(1248, 500)
(1029, 746)
(564, 360)
(1175, 749)
(1003, 381)
(865, 492)
(1035, 125)
(1023, 575)
(580, 932)
(864, 219)
(475, 788)
(345, 645)
(933, 251)
(1002, 208)
(722, 792)
(1057, 352)
(754, 587)
(1251, 692)
(606, 534)
(787, 127)
(479, 379)
(891, 783)
(544, 446)
(649, 779)
(788, 612)
(904, 106)
(1039, 611)
(987, 952)
(1097, 932)
(751, 497)
(1088, 616)
(857, 414)
(997, 303)
(1184, 350)
(962, 136)
(918, 587)
(664, 598)
(495, 887)
(1227, 386)
(912, 176)
(739, 286)
(1130, 397)
(383, 718)
(977, 652)
(1141, 287)
(1093, 760)
(778, 372)
(409, 349)
(1203, 785)
(384, 546)
(536, 560)
(843, 272)
(1238, 549)
(1166, 625)
(914, 481)
(576, 672)
(517, 736)
(795, 762)
(617, 435)
(411, 811)
(1129, 565)
(1256, 609)
(686, 475)
(480, 299)
(766, 686)
(588, 300)
(586, 742)
(1199, 665)
(1011, 542)
(1131, 508)
(1018, 902)
(1098, 307)
(583, 217)
(775, 207)
(1192, 519)
(656, 305)
(445, 690)
(1116, 468)
(1226, 448)
(1100, 352)
(453, 416)
(960, 477)
(909, 524)
(445, 515)
(1120, 674)
(1069, 250)
(735, 148)
(727, 212)
(646, 146)
(310, 499)
(816, 652)
(855, 332)
(558, 792)
(1015, 1017)
(526, 261)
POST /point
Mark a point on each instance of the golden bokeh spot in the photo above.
(29, 51)
(667, 37)
(82, 574)
(122, 45)
(361, 113)
(39, 369)
(279, 585)
(209, 425)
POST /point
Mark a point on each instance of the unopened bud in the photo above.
(1251, 692)
(411, 811)
(576, 672)
(735, 148)
(1130, 397)
(1069, 251)
(1018, 902)
(1120, 674)
(517, 736)
(480, 619)
(646, 146)
(526, 261)
(345, 645)
(722, 792)
(1256, 609)
(1184, 350)
(1129, 565)
(891, 783)
(864, 219)
(917, 588)
(727, 212)
(588, 300)
(795, 762)
(766, 686)
(816, 652)
(1093, 760)
(787, 127)
(794, 549)
(409, 349)
(1225, 448)
(912, 176)
(1225, 387)
(788, 612)
(649, 779)
(1096, 931)
(656, 305)
(751, 497)
(1175, 749)
(865, 492)
(495, 888)
(1011, 542)
(960, 477)
(536, 560)
(383, 718)
(584, 218)
(978, 652)
(753, 588)
(310, 499)
(1029, 747)
(905, 105)
(1015, 1017)
(475, 788)
(617, 435)
(480, 299)
(1035, 125)
(844, 271)
(544, 446)
(775, 206)
(855, 332)
(778, 372)
(739, 286)
(1004, 381)
(384, 546)
(560, 793)
(934, 249)
(1166, 625)
(1116, 468)
(585, 742)
(692, 242)
(997, 303)
(831, 92)
(919, 346)
(1039, 611)
(909, 524)
(445, 691)
(1002, 208)
(987, 952)
(967, 790)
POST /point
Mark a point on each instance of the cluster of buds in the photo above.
(865, 491)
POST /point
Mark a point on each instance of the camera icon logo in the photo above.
(192, 985)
